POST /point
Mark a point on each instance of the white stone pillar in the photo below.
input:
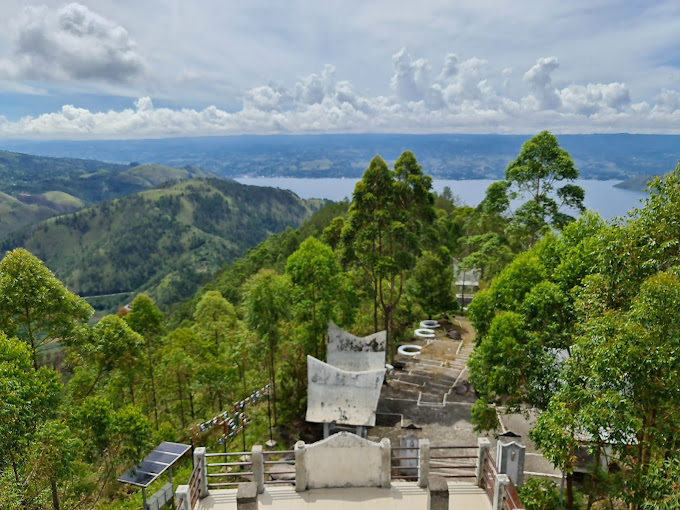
(182, 494)
(386, 464)
(510, 461)
(258, 467)
(199, 460)
(300, 467)
(498, 491)
(424, 467)
(484, 444)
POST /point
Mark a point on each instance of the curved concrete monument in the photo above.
(354, 353)
(340, 396)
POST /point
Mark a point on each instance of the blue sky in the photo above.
(154, 68)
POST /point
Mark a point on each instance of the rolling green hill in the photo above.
(35, 188)
(165, 240)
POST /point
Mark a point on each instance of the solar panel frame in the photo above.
(155, 464)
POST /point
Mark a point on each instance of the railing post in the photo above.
(182, 494)
(424, 466)
(300, 467)
(510, 460)
(386, 464)
(484, 444)
(258, 467)
(437, 493)
(499, 491)
(199, 460)
(246, 496)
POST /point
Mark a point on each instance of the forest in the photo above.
(576, 320)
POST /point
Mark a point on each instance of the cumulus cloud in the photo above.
(465, 95)
(71, 43)
(544, 96)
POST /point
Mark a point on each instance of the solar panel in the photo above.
(154, 464)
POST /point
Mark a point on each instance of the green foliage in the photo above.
(28, 398)
(540, 164)
(432, 283)
(382, 234)
(265, 302)
(34, 305)
(538, 494)
(313, 271)
(168, 241)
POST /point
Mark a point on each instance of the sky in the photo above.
(104, 69)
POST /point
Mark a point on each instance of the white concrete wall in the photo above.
(342, 397)
(344, 460)
(354, 353)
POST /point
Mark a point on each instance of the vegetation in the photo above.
(167, 241)
(582, 327)
(42, 187)
(579, 327)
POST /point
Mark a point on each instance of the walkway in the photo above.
(401, 496)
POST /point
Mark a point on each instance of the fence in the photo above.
(410, 463)
(226, 469)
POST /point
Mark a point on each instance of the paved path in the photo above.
(401, 496)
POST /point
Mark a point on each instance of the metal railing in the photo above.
(225, 470)
(269, 460)
(397, 469)
(442, 465)
(489, 475)
(511, 498)
(180, 504)
(195, 485)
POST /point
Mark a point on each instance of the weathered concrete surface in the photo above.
(339, 396)
(401, 496)
(246, 496)
(343, 460)
(353, 353)
(437, 493)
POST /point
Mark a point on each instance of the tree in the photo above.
(112, 345)
(432, 280)
(266, 304)
(28, 397)
(313, 271)
(147, 320)
(540, 164)
(385, 222)
(34, 305)
(215, 317)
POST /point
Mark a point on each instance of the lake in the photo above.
(601, 196)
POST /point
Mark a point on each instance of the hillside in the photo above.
(165, 240)
(635, 183)
(35, 188)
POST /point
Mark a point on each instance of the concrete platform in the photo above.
(401, 496)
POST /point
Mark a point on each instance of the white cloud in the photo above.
(544, 96)
(72, 43)
(466, 95)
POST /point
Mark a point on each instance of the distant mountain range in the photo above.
(33, 188)
(165, 241)
(609, 156)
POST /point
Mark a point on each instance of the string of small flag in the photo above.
(233, 425)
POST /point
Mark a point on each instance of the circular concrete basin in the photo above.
(424, 333)
(409, 350)
(429, 324)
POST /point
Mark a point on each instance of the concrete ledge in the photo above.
(246, 496)
(437, 493)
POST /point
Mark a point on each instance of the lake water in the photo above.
(601, 196)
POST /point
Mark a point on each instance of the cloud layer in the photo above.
(461, 96)
(72, 43)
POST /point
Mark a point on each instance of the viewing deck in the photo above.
(401, 496)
